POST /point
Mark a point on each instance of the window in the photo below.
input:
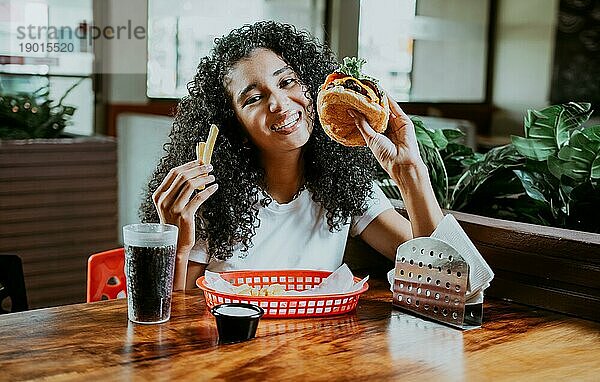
(426, 50)
(180, 32)
(40, 46)
(386, 43)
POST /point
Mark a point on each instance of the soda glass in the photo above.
(149, 267)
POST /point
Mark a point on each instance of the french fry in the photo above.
(200, 151)
(200, 147)
(210, 144)
(204, 150)
(244, 289)
(275, 290)
(267, 290)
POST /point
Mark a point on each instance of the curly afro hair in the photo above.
(339, 178)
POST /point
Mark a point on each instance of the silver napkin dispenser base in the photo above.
(430, 280)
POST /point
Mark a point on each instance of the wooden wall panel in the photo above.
(58, 205)
(548, 267)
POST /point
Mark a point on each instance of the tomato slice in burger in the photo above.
(332, 77)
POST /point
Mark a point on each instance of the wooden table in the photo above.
(95, 342)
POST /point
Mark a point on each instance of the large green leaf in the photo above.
(423, 137)
(555, 166)
(580, 158)
(433, 138)
(437, 173)
(544, 187)
(531, 185)
(534, 148)
(452, 134)
(593, 134)
(548, 130)
(438, 138)
(497, 159)
(595, 172)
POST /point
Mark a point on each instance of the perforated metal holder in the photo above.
(431, 279)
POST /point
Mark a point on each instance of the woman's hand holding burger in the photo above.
(396, 149)
(355, 111)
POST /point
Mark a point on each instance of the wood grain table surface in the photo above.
(96, 342)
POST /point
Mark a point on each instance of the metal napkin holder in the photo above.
(430, 280)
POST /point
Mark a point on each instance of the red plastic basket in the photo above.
(285, 306)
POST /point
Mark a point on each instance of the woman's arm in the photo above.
(186, 272)
(390, 229)
(398, 154)
(194, 270)
(386, 232)
(419, 199)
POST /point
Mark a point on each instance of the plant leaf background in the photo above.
(549, 176)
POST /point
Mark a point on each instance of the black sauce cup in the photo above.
(236, 322)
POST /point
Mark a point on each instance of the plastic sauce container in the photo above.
(236, 322)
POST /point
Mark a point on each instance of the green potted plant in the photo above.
(551, 176)
(34, 115)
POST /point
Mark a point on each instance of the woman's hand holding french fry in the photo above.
(204, 150)
(176, 205)
(175, 201)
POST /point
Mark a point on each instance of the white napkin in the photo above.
(480, 273)
(339, 282)
(215, 281)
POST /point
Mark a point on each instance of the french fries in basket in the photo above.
(267, 290)
(204, 150)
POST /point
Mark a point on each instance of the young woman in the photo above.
(279, 193)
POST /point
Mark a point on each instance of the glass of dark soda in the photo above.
(149, 268)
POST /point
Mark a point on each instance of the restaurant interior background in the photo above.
(477, 65)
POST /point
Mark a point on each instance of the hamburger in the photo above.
(347, 88)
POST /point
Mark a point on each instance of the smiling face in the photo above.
(270, 102)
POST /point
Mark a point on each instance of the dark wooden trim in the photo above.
(491, 51)
(569, 301)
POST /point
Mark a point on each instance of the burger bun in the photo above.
(333, 105)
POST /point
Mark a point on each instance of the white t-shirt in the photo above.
(295, 235)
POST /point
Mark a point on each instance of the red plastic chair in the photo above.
(106, 275)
